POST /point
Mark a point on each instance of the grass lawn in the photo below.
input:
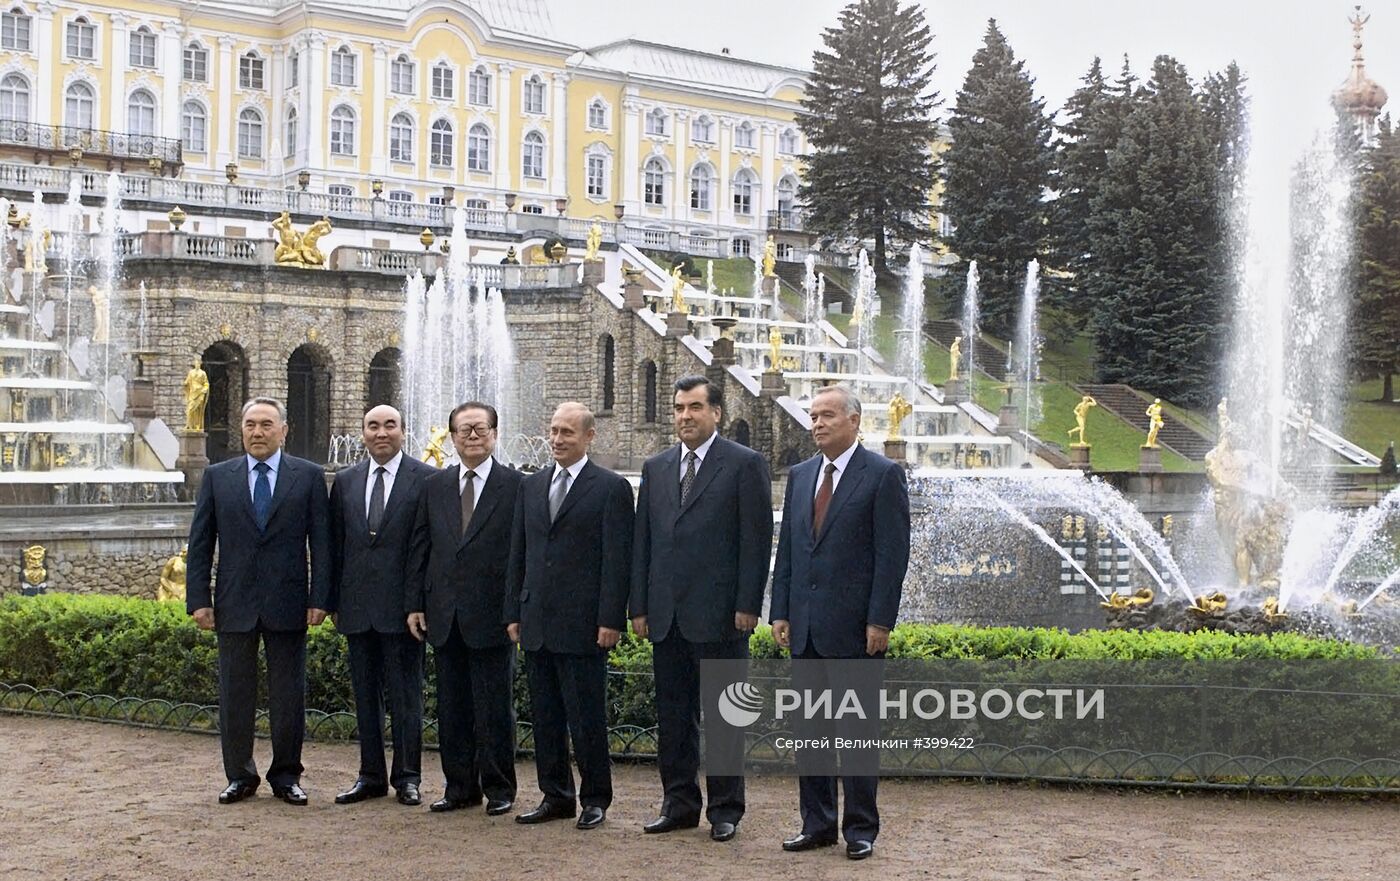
(1369, 422)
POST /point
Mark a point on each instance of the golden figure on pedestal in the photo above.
(196, 390)
(35, 572)
(595, 241)
(172, 578)
(434, 452)
(775, 348)
(899, 408)
(954, 356)
(1155, 422)
(677, 289)
(770, 258)
(299, 249)
(101, 314)
(1081, 416)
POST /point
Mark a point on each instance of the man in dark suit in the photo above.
(373, 505)
(842, 552)
(455, 594)
(264, 511)
(571, 552)
(704, 531)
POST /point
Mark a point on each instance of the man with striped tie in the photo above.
(264, 511)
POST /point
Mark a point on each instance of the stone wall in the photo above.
(122, 566)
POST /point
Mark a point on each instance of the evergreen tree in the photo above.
(1375, 328)
(1226, 109)
(1157, 314)
(997, 174)
(869, 117)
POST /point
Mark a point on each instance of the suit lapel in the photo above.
(286, 476)
(803, 495)
(450, 489)
(403, 481)
(711, 465)
(580, 487)
(670, 478)
(490, 496)
(359, 478)
(850, 480)
(241, 478)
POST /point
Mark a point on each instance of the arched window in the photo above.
(196, 64)
(289, 133)
(343, 67)
(479, 87)
(701, 184)
(444, 84)
(141, 113)
(787, 142)
(597, 114)
(787, 194)
(478, 148)
(441, 143)
(609, 352)
(595, 167)
(343, 131)
(401, 138)
(14, 98)
(141, 46)
(194, 127)
(80, 39)
(743, 136)
(656, 122)
(401, 75)
(649, 391)
(532, 156)
(250, 71)
(745, 183)
(15, 30)
(78, 106)
(250, 134)
(702, 129)
(654, 182)
(532, 95)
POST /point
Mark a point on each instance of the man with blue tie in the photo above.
(843, 549)
(265, 511)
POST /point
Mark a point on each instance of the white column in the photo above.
(724, 208)
(766, 200)
(377, 123)
(116, 65)
(505, 114)
(172, 56)
(631, 157)
(313, 118)
(276, 78)
(44, 87)
(679, 134)
(559, 136)
(226, 113)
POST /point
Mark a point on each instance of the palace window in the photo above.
(250, 134)
(743, 136)
(744, 183)
(787, 142)
(597, 114)
(479, 87)
(80, 38)
(533, 95)
(141, 47)
(532, 209)
(196, 65)
(444, 81)
(441, 143)
(141, 113)
(532, 156)
(656, 122)
(194, 127)
(401, 138)
(289, 133)
(343, 67)
(478, 148)
(787, 195)
(14, 98)
(399, 200)
(740, 247)
(250, 71)
(343, 131)
(401, 76)
(596, 173)
(476, 205)
(15, 30)
(702, 129)
(341, 195)
(654, 182)
(701, 185)
(78, 106)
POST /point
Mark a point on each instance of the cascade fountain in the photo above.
(909, 362)
(1023, 362)
(970, 329)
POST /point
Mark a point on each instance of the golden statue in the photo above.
(954, 356)
(310, 254)
(1081, 416)
(770, 258)
(775, 348)
(1155, 422)
(677, 289)
(172, 578)
(1254, 530)
(1143, 596)
(299, 249)
(595, 241)
(35, 573)
(434, 452)
(899, 408)
(101, 314)
(196, 390)
(36, 252)
(1272, 612)
(857, 311)
(1208, 604)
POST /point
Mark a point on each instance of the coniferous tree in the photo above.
(1375, 323)
(1157, 312)
(997, 174)
(1227, 128)
(869, 117)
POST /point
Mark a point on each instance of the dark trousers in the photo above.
(391, 662)
(569, 699)
(238, 697)
(476, 718)
(816, 787)
(676, 663)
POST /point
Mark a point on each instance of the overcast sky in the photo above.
(1294, 51)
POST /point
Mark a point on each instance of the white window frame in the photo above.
(341, 139)
(401, 137)
(344, 63)
(74, 105)
(532, 156)
(291, 131)
(702, 129)
(534, 86)
(252, 71)
(188, 121)
(443, 75)
(402, 65)
(654, 182)
(479, 86)
(293, 69)
(15, 91)
(141, 127)
(79, 34)
(788, 142)
(142, 48)
(16, 30)
(194, 59)
(397, 200)
(601, 107)
(743, 190)
(705, 202)
(598, 176)
(251, 122)
(747, 132)
(442, 143)
(656, 123)
(479, 154)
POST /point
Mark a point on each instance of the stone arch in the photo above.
(309, 372)
(740, 433)
(607, 354)
(383, 385)
(226, 364)
(650, 391)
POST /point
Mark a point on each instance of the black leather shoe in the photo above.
(408, 795)
(723, 831)
(546, 812)
(664, 823)
(497, 806)
(591, 818)
(292, 794)
(237, 792)
(361, 791)
(859, 850)
(803, 841)
(452, 804)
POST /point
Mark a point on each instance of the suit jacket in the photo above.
(570, 577)
(829, 587)
(367, 573)
(262, 576)
(451, 574)
(695, 565)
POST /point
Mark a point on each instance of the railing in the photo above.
(790, 220)
(227, 248)
(61, 138)
(353, 257)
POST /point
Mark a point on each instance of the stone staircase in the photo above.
(990, 359)
(1129, 405)
(793, 274)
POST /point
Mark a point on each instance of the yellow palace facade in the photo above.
(474, 103)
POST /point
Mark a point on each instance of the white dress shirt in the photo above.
(700, 453)
(841, 462)
(274, 462)
(573, 470)
(481, 471)
(391, 470)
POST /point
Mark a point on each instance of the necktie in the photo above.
(262, 495)
(376, 501)
(557, 493)
(823, 499)
(689, 479)
(468, 501)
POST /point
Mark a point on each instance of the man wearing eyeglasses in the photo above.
(455, 592)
